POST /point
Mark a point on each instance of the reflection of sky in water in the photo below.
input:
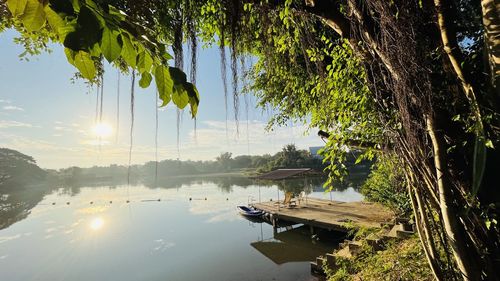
(171, 239)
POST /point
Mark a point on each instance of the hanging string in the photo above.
(96, 104)
(178, 126)
(102, 98)
(156, 138)
(245, 97)
(100, 109)
(131, 126)
(223, 69)
(117, 107)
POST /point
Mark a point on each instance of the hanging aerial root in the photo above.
(132, 108)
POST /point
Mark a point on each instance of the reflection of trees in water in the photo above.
(17, 201)
(224, 183)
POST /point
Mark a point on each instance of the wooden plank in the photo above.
(329, 214)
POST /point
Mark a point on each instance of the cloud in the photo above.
(5, 124)
(248, 132)
(12, 108)
(5, 101)
(212, 138)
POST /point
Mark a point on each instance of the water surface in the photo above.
(180, 231)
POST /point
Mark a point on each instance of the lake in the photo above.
(186, 229)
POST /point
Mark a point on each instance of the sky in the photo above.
(46, 114)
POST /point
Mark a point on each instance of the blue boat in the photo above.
(249, 211)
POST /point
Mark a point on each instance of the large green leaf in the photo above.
(83, 61)
(180, 96)
(70, 55)
(164, 83)
(129, 53)
(194, 97)
(111, 44)
(33, 17)
(62, 6)
(178, 76)
(145, 80)
(144, 61)
(88, 31)
(16, 7)
(55, 21)
(479, 164)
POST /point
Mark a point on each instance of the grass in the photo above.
(400, 260)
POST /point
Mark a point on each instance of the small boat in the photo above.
(249, 211)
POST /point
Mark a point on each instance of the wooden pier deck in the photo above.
(326, 214)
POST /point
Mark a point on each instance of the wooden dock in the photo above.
(326, 214)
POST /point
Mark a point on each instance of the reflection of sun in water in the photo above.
(102, 130)
(96, 223)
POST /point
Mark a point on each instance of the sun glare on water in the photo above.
(96, 224)
(102, 130)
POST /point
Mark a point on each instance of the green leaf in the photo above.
(83, 61)
(33, 17)
(70, 55)
(16, 7)
(194, 97)
(164, 83)
(129, 54)
(178, 76)
(55, 21)
(62, 6)
(76, 5)
(88, 31)
(180, 96)
(145, 80)
(144, 62)
(489, 144)
(116, 13)
(111, 44)
(479, 164)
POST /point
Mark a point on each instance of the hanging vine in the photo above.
(132, 119)
(117, 126)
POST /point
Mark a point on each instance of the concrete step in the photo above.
(354, 247)
(376, 243)
(330, 261)
(343, 253)
(316, 269)
(320, 261)
(404, 234)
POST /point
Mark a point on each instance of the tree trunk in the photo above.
(454, 229)
(491, 22)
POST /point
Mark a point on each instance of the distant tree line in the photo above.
(289, 157)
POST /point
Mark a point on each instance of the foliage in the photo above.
(92, 31)
(404, 77)
(18, 169)
(224, 160)
(386, 185)
(399, 261)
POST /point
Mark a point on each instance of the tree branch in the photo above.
(452, 49)
(330, 14)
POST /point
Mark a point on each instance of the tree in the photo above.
(417, 79)
(224, 160)
(17, 169)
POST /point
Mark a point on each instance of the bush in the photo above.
(386, 185)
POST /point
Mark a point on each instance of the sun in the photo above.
(102, 130)
(96, 224)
